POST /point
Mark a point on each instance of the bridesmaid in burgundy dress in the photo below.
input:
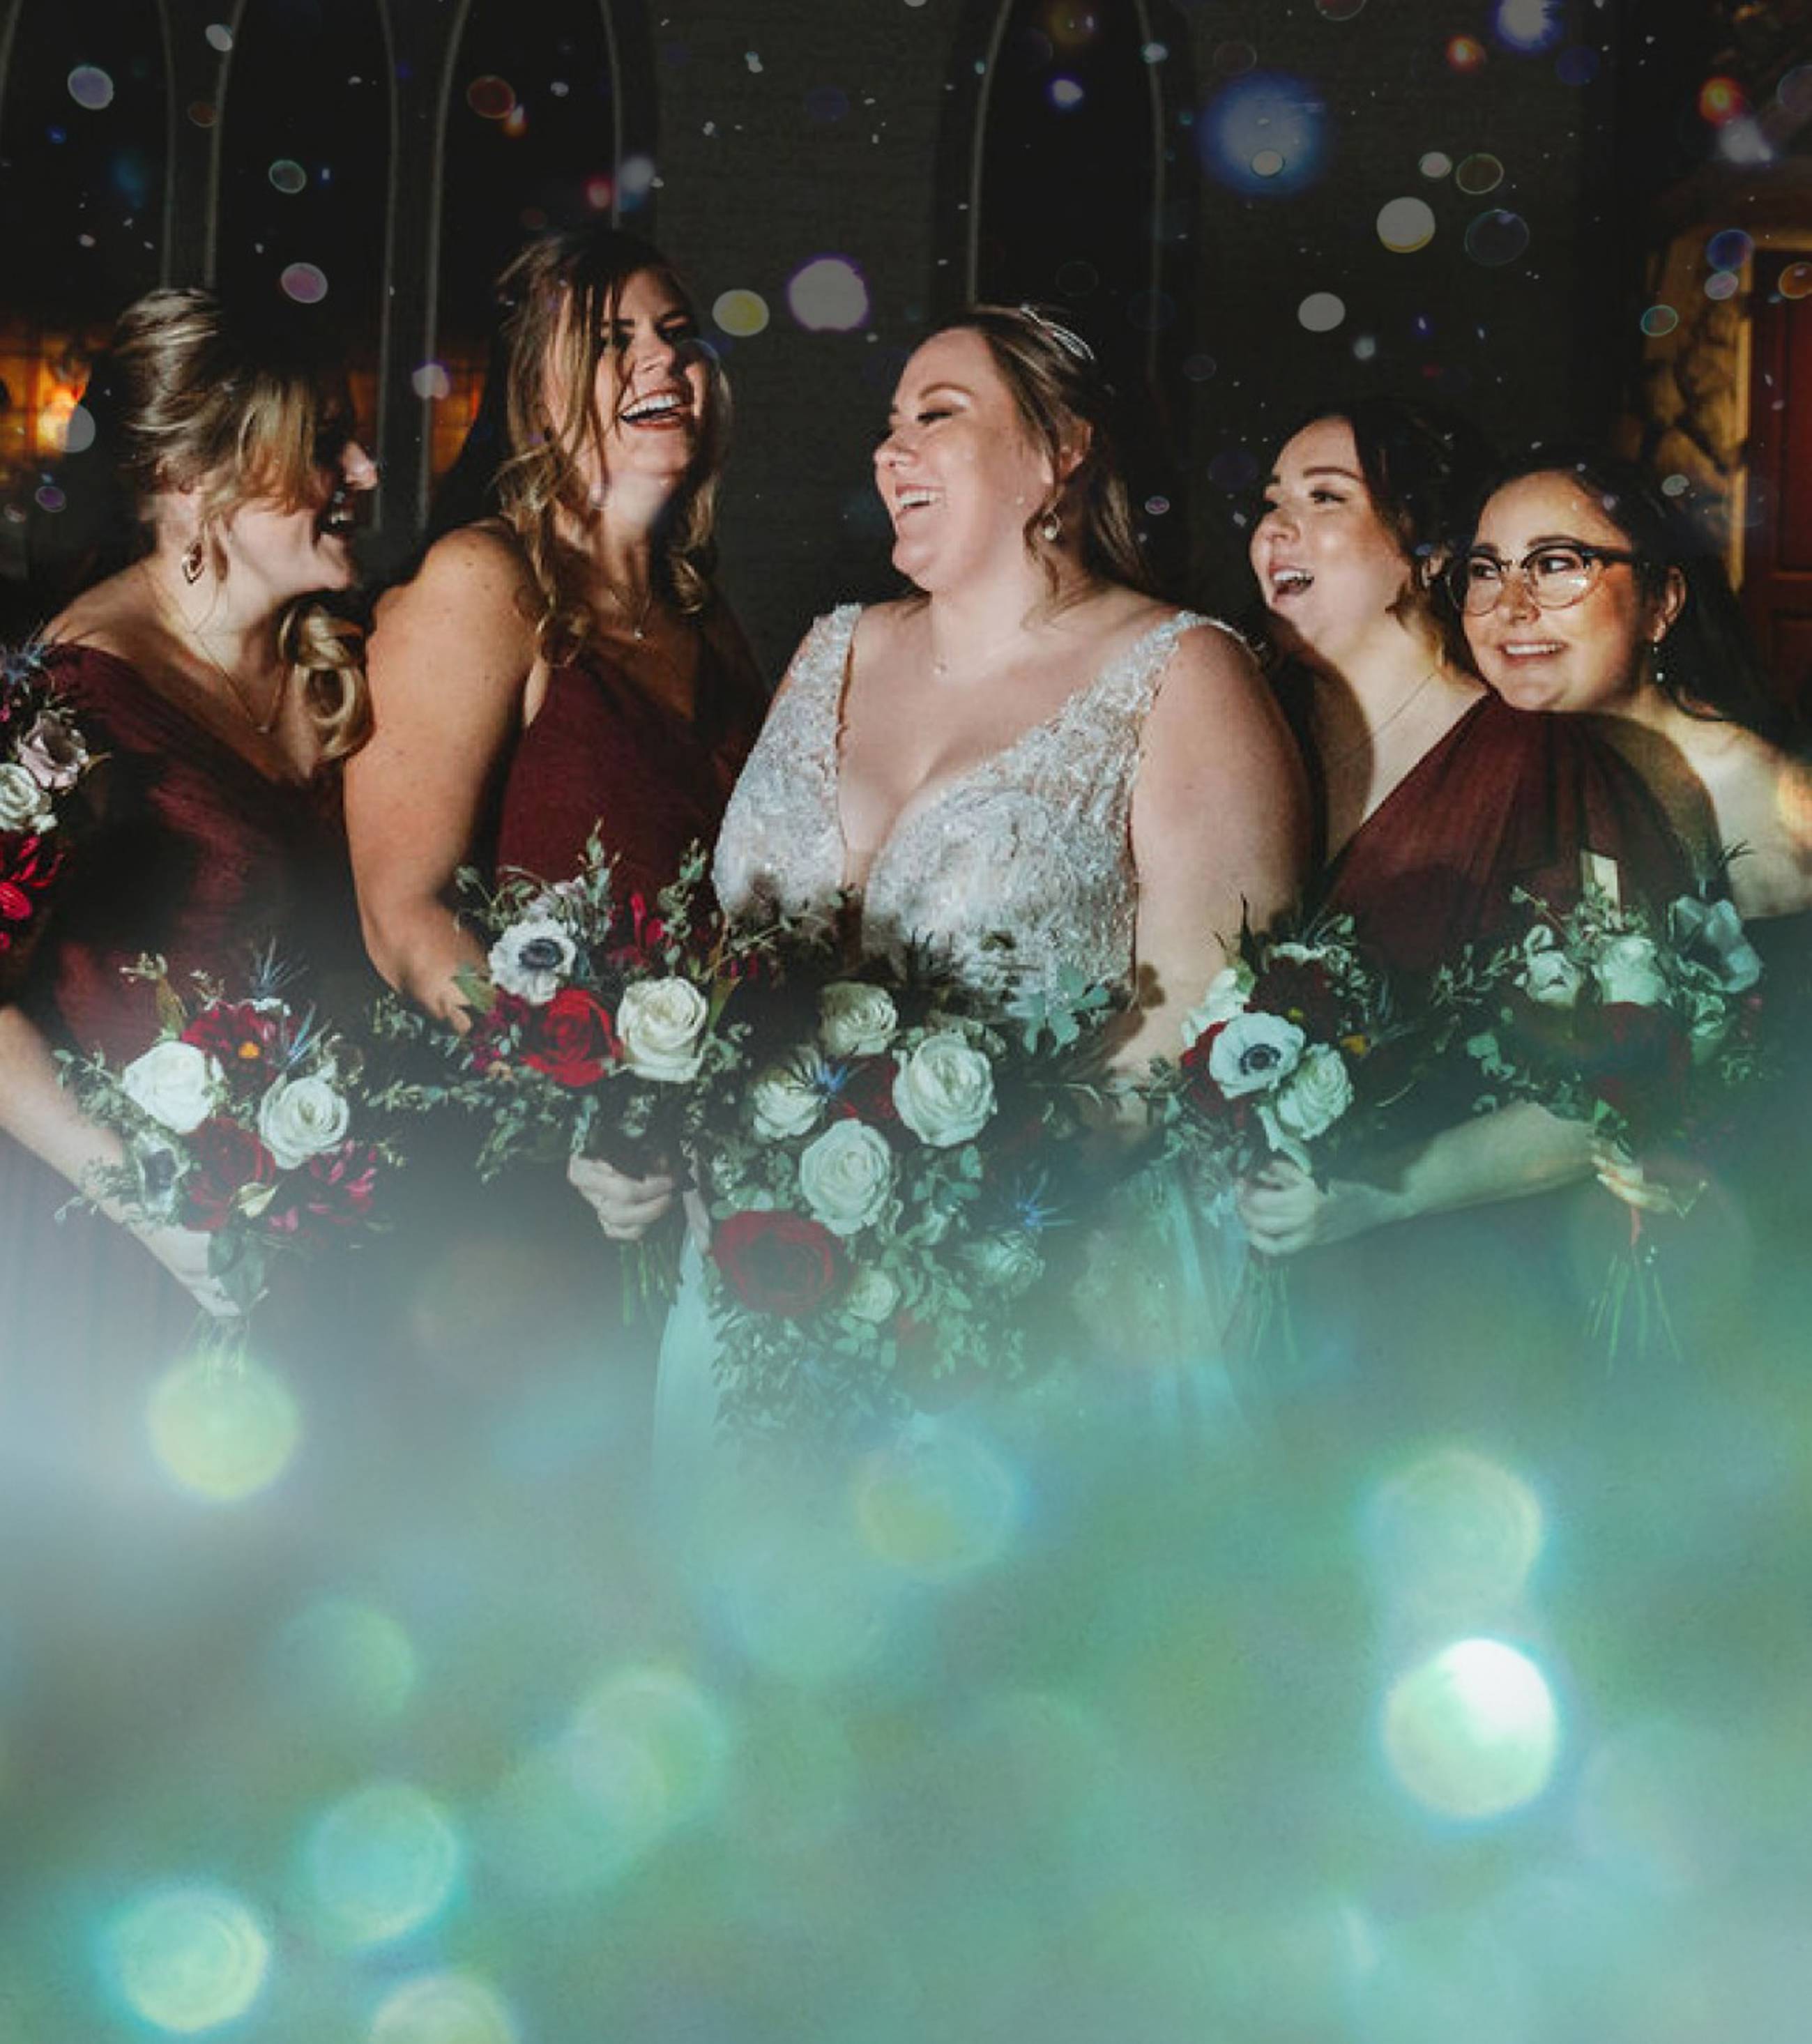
(1436, 800)
(562, 667)
(213, 699)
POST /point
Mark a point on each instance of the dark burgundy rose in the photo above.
(487, 1040)
(571, 1039)
(336, 1190)
(226, 1158)
(1300, 990)
(1639, 1055)
(778, 1263)
(867, 1093)
(245, 1040)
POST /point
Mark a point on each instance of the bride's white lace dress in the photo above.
(1011, 874)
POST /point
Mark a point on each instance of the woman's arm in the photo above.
(451, 661)
(1219, 832)
(40, 1115)
(1506, 1156)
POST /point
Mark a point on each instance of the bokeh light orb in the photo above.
(48, 497)
(1066, 94)
(1234, 59)
(90, 87)
(1479, 174)
(1676, 485)
(490, 97)
(1796, 281)
(1269, 116)
(219, 36)
(287, 176)
(680, 1730)
(1729, 249)
(1233, 469)
(1405, 224)
(1464, 53)
(381, 1863)
(1321, 312)
(305, 283)
(1454, 1533)
(223, 1432)
(1660, 321)
(828, 295)
(1435, 163)
(430, 380)
(186, 1959)
(1721, 99)
(1472, 1732)
(937, 1508)
(1723, 284)
(79, 430)
(1795, 91)
(740, 312)
(1497, 238)
(1529, 25)
(444, 2008)
(341, 1662)
(573, 1817)
(1199, 367)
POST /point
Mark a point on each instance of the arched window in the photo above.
(1068, 174)
(532, 133)
(84, 125)
(303, 192)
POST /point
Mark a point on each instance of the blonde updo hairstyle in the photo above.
(208, 399)
(561, 296)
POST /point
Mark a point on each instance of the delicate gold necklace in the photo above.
(171, 615)
(636, 619)
(1368, 739)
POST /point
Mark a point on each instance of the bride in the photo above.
(1032, 745)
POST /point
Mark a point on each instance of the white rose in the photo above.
(854, 1020)
(176, 1084)
(1709, 1024)
(1314, 1097)
(871, 1295)
(298, 1119)
(1300, 954)
(22, 804)
(1254, 1054)
(1628, 969)
(662, 1023)
(944, 1090)
(783, 1103)
(1548, 976)
(532, 959)
(846, 1175)
(1008, 1262)
(52, 753)
(1228, 993)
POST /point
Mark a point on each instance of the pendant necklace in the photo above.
(1370, 738)
(263, 725)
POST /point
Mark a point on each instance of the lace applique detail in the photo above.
(1015, 871)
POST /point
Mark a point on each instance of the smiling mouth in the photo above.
(1530, 649)
(337, 520)
(662, 407)
(913, 500)
(1289, 582)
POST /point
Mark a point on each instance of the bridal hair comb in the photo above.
(1066, 337)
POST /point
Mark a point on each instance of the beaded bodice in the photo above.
(1011, 873)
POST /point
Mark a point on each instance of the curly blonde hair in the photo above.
(561, 295)
(242, 412)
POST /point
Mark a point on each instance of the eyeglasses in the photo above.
(1555, 576)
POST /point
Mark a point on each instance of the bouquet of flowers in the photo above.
(1639, 1023)
(882, 1187)
(42, 757)
(240, 1121)
(596, 1028)
(1299, 1050)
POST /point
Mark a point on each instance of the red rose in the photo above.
(1300, 990)
(224, 1159)
(242, 1037)
(28, 863)
(571, 1039)
(487, 1041)
(777, 1263)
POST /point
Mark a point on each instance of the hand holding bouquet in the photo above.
(42, 757)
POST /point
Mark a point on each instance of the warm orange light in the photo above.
(1720, 100)
(1465, 53)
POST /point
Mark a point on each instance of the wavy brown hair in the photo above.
(244, 410)
(561, 295)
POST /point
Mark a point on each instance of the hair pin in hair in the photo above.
(1066, 337)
